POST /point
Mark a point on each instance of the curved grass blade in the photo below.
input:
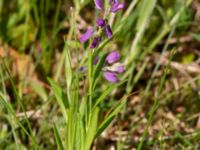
(110, 116)
(57, 90)
(92, 127)
(107, 92)
(58, 138)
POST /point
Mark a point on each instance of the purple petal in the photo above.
(108, 31)
(111, 76)
(116, 7)
(99, 4)
(120, 69)
(101, 22)
(95, 42)
(83, 38)
(112, 57)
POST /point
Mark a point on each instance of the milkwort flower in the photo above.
(115, 6)
(113, 67)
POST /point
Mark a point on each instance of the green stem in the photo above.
(90, 73)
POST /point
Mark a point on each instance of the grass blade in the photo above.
(58, 138)
(57, 90)
(92, 127)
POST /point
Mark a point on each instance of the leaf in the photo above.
(68, 66)
(106, 93)
(92, 127)
(99, 67)
(58, 138)
(57, 90)
(108, 119)
(83, 106)
(80, 137)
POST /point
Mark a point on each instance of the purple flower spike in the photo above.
(85, 37)
(99, 4)
(101, 22)
(108, 31)
(95, 42)
(116, 7)
(112, 57)
(111, 76)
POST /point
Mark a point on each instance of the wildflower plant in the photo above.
(81, 111)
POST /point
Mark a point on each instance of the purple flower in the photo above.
(112, 67)
(99, 4)
(108, 31)
(113, 57)
(116, 67)
(85, 37)
(101, 22)
(119, 68)
(95, 42)
(116, 6)
(106, 27)
(111, 76)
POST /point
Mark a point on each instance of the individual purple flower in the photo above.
(95, 42)
(105, 27)
(111, 76)
(85, 37)
(108, 31)
(113, 57)
(116, 6)
(99, 4)
(101, 22)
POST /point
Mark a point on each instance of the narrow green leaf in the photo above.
(110, 116)
(106, 93)
(71, 129)
(99, 67)
(57, 90)
(80, 133)
(58, 138)
(83, 106)
(68, 68)
(92, 128)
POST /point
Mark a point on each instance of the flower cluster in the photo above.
(102, 23)
(112, 67)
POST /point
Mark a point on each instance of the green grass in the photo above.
(51, 104)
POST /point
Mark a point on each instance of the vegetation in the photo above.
(63, 89)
